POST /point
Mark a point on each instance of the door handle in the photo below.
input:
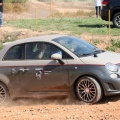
(23, 69)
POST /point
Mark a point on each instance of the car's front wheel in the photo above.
(4, 94)
(88, 90)
(116, 20)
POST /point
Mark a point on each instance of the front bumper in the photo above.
(111, 89)
(111, 86)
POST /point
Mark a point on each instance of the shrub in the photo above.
(79, 13)
(14, 6)
(114, 45)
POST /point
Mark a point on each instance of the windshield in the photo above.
(76, 45)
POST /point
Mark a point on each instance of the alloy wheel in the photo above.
(117, 21)
(86, 90)
(3, 94)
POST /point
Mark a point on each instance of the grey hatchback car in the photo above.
(57, 65)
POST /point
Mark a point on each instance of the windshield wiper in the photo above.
(93, 53)
(86, 54)
(95, 49)
(98, 51)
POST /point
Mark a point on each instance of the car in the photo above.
(114, 7)
(57, 65)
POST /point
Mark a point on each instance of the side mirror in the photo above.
(56, 56)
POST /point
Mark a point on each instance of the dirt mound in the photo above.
(11, 33)
(8, 33)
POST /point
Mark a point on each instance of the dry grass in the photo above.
(38, 9)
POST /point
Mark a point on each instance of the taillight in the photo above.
(104, 2)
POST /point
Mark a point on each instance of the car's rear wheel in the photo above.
(88, 90)
(116, 20)
(4, 94)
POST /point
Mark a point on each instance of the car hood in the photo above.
(102, 58)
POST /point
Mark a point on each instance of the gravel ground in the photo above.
(61, 109)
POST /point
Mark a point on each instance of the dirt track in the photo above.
(61, 109)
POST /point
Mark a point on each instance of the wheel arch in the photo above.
(4, 79)
(114, 12)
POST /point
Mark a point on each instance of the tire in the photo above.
(116, 20)
(4, 94)
(88, 90)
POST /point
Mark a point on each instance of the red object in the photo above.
(105, 2)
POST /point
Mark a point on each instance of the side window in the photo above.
(36, 50)
(30, 50)
(14, 53)
(46, 50)
(41, 50)
(53, 49)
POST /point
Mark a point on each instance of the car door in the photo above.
(39, 72)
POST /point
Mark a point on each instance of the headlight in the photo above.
(111, 67)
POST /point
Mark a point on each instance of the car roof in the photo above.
(32, 39)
